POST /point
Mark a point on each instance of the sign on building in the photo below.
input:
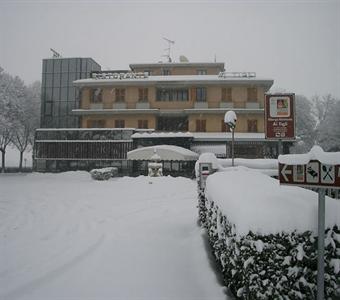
(280, 116)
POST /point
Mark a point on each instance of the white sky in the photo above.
(297, 43)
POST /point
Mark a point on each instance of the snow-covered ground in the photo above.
(65, 236)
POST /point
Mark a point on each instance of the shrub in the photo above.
(274, 266)
(104, 174)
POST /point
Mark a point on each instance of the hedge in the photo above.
(275, 266)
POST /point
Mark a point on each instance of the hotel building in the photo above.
(181, 104)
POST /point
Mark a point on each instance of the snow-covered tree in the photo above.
(305, 125)
(329, 126)
(7, 108)
(27, 120)
(19, 113)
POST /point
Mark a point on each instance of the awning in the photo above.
(166, 152)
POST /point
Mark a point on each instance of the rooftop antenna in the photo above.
(55, 53)
(167, 55)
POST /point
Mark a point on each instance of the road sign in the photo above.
(314, 169)
(312, 174)
(280, 116)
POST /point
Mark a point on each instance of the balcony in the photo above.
(142, 105)
(96, 105)
(252, 105)
(119, 105)
(226, 105)
(201, 104)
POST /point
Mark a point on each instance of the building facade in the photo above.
(195, 103)
(58, 94)
(180, 104)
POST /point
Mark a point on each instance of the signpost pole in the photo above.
(280, 150)
(232, 147)
(321, 245)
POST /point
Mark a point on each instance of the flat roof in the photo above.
(175, 80)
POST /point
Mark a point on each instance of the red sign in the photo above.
(280, 116)
(313, 174)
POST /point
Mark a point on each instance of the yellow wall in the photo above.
(214, 96)
(214, 122)
(131, 121)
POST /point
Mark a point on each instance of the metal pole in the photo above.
(226, 146)
(280, 150)
(232, 147)
(321, 245)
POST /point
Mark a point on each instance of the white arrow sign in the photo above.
(285, 172)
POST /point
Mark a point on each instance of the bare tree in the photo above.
(6, 114)
(27, 120)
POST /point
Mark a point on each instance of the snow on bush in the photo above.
(264, 236)
(104, 174)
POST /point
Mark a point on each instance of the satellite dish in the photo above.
(183, 59)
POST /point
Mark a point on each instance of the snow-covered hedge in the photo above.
(104, 174)
(264, 236)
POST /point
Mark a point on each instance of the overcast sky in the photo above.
(296, 43)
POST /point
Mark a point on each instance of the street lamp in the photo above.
(230, 120)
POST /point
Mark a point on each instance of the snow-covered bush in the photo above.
(104, 174)
(257, 259)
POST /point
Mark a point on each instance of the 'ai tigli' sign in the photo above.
(312, 174)
(280, 116)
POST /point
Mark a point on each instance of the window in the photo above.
(143, 95)
(172, 124)
(63, 93)
(56, 94)
(202, 72)
(120, 95)
(252, 94)
(201, 94)
(96, 95)
(119, 123)
(71, 93)
(252, 125)
(200, 125)
(48, 108)
(64, 65)
(143, 124)
(56, 79)
(64, 79)
(224, 127)
(172, 94)
(63, 108)
(95, 123)
(226, 95)
(166, 72)
(149, 72)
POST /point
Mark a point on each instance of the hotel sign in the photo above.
(119, 76)
(312, 174)
(280, 116)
